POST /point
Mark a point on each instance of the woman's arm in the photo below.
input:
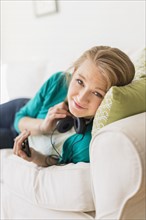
(38, 115)
(27, 117)
(31, 124)
(46, 125)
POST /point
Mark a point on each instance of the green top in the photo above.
(52, 92)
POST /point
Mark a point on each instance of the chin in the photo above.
(75, 113)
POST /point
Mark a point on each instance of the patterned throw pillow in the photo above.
(121, 102)
(140, 65)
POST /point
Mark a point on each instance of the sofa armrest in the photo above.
(117, 169)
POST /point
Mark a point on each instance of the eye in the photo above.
(98, 94)
(80, 82)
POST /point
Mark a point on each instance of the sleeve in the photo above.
(32, 108)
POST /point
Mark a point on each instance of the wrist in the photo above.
(51, 160)
(40, 129)
(38, 158)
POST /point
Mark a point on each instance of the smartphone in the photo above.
(26, 148)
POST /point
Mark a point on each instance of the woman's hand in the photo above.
(36, 157)
(17, 149)
(56, 112)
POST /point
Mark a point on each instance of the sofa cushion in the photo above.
(28, 75)
(65, 188)
(121, 102)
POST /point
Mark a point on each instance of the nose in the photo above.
(83, 97)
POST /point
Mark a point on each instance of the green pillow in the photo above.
(121, 102)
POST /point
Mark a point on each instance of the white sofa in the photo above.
(111, 186)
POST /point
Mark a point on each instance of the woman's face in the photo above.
(86, 90)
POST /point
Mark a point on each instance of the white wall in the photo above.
(60, 38)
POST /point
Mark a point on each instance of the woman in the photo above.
(93, 74)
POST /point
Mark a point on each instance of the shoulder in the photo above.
(57, 82)
(59, 76)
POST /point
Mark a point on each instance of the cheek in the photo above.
(71, 90)
(94, 106)
(69, 95)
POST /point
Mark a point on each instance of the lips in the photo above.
(77, 105)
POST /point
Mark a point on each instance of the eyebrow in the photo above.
(82, 76)
(86, 80)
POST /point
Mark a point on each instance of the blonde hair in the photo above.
(113, 64)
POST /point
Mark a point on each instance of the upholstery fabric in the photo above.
(18, 208)
(118, 161)
(140, 64)
(65, 188)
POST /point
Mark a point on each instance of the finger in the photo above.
(19, 140)
(22, 136)
(23, 133)
(15, 143)
(64, 105)
(22, 154)
(52, 119)
(61, 105)
(58, 111)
